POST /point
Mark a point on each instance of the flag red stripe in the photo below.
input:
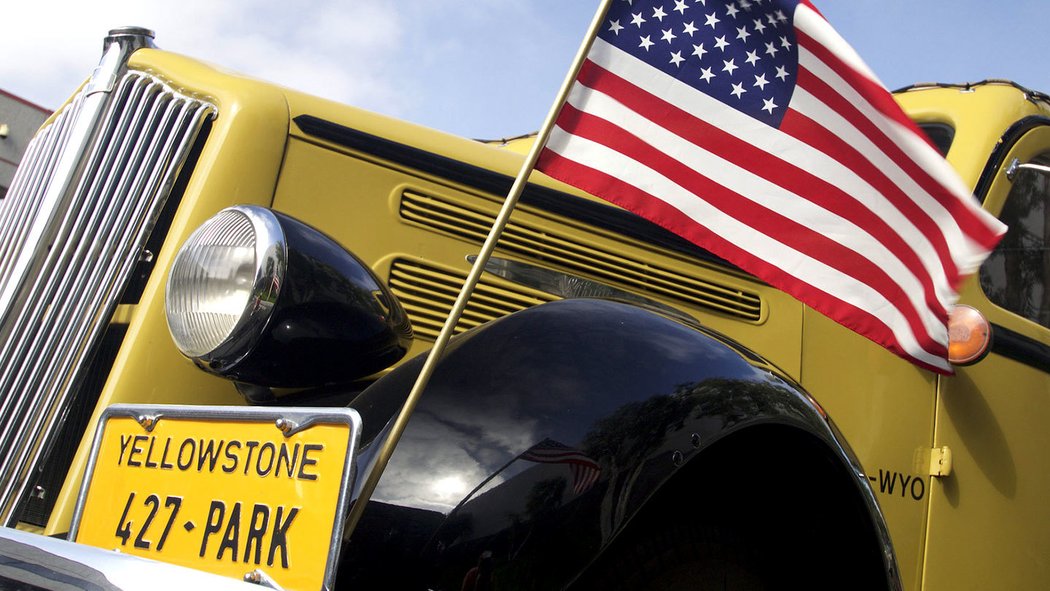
(806, 130)
(647, 206)
(543, 459)
(812, 243)
(876, 96)
(884, 104)
(558, 457)
(758, 162)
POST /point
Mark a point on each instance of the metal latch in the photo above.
(940, 461)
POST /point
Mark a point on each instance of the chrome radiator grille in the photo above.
(72, 228)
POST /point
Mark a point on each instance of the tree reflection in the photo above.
(1014, 276)
(633, 441)
(539, 532)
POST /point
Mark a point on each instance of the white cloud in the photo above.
(475, 67)
(330, 49)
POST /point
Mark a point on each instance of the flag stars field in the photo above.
(746, 33)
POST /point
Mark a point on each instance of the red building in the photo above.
(19, 120)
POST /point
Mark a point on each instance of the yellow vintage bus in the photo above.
(216, 293)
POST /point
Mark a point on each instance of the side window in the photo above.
(940, 134)
(1015, 276)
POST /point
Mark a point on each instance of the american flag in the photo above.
(753, 130)
(585, 471)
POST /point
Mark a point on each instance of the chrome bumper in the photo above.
(30, 561)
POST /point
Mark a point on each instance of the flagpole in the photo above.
(436, 352)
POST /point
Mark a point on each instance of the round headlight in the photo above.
(225, 281)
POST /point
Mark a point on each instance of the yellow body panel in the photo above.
(884, 406)
(364, 198)
(992, 510)
(988, 518)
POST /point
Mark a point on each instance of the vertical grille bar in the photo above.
(63, 306)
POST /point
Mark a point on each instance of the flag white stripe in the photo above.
(584, 477)
(816, 27)
(967, 254)
(789, 149)
(810, 106)
(759, 190)
(797, 264)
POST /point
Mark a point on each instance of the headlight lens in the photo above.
(260, 298)
(225, 280)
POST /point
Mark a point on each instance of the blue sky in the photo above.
(480, 68)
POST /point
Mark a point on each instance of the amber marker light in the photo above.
(969, 335)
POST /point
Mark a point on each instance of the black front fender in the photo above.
(541, 435)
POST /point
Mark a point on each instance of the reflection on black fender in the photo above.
(624, 389)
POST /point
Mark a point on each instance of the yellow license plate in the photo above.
(227, 490)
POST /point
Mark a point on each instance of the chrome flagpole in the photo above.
(436, 352)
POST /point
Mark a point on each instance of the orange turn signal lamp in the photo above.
(969, 335)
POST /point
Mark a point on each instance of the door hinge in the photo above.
(940, 461)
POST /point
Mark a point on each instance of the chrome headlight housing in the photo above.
(261, 298)
(225, 281)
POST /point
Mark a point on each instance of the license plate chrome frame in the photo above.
(288, 421)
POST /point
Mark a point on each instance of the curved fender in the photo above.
(542, 433)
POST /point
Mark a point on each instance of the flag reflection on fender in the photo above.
(585, 471)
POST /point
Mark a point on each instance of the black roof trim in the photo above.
(1002, 148)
